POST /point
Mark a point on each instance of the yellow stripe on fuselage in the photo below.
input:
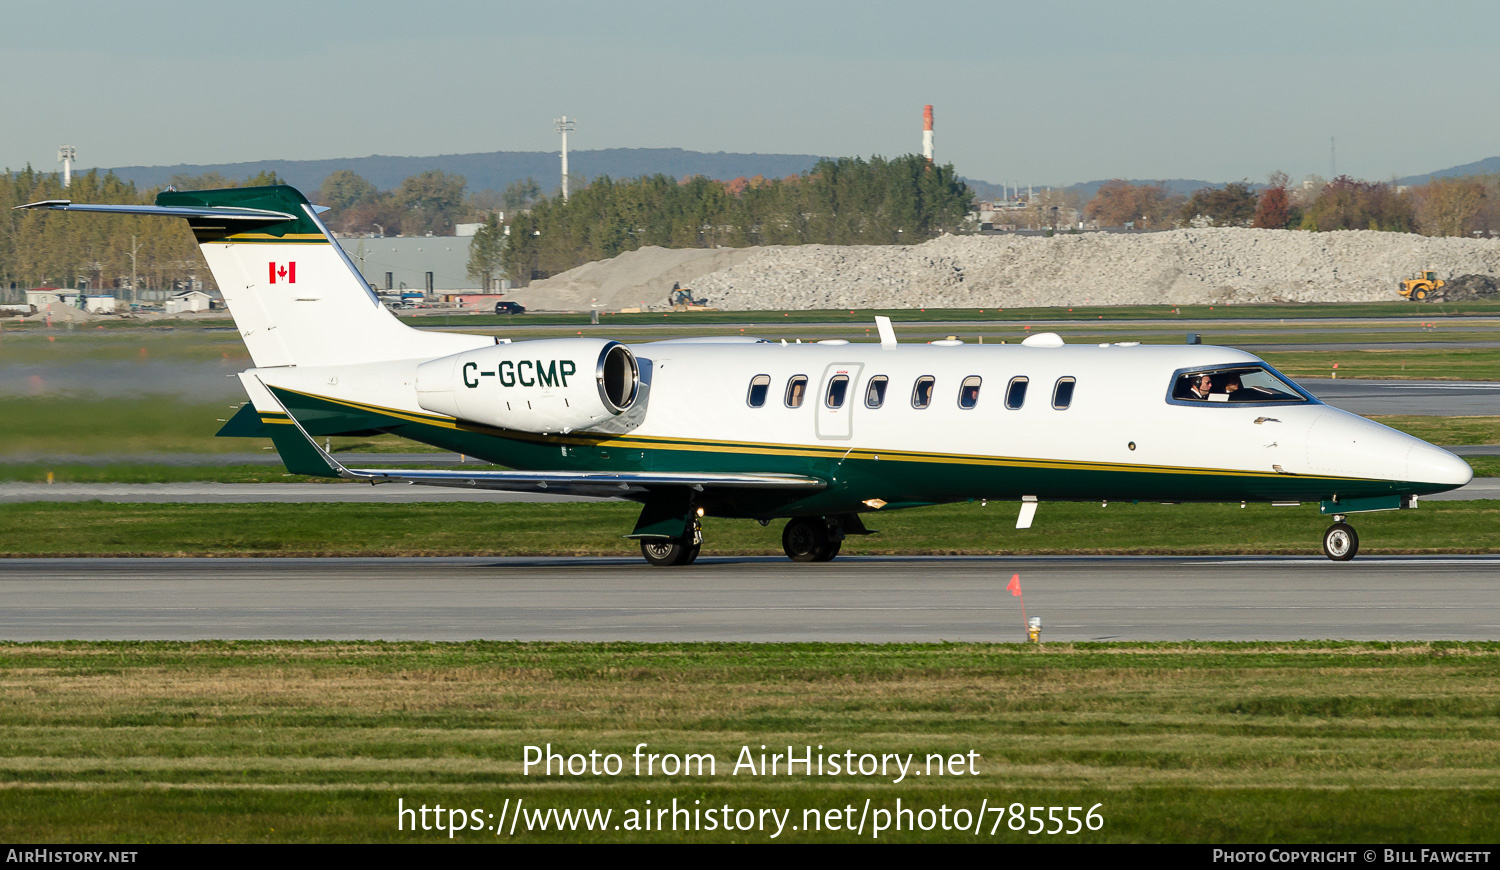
(806, 451)
(268, 239)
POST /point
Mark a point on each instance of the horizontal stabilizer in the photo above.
(245, 423)
(219, 212)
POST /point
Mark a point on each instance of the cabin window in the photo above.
(875, 392)
(1235, 384)
(921, 394)
(759, 386)
(1015, 394)
(968, 392)
(796, 391)
(1062, 393)
(837, 389)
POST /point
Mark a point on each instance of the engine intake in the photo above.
(546, 386)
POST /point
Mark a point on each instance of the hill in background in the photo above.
(496, 170)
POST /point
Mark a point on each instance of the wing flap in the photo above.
(593, 483)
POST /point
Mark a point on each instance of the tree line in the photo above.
(1442, 207)
(849, 201)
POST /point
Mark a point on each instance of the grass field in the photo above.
(1441, 364)
(295, 742)
(456, 529)
(1395, 310)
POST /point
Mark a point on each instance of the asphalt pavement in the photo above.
(867, 599)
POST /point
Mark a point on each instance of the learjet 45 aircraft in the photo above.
(819, 433)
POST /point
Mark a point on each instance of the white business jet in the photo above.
(817, 433)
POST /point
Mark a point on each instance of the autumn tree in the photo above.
(1274, 210)
(43, 248)
(1232, 205)
(1448, 206)
(343, 188)
(432, 202)
(1349, 204)
(1119, 202)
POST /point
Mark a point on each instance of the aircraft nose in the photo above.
(1428, 464)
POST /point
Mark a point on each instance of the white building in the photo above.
(188, 300)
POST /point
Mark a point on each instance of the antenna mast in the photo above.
(66, 155)
(564, 126)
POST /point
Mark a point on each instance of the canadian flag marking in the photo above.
(287, 272)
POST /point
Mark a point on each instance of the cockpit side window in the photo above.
(1234, 384)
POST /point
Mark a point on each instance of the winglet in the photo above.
(887, 334)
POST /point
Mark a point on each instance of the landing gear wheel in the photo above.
(806, 539)
(664, 553)
(1340, 543)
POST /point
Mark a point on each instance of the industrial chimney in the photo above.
(927, 133)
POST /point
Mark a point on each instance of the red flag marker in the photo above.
(1014, 588)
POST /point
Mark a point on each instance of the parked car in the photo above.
(509, 308)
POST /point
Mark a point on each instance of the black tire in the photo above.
(1419, 294)
(1340, 543)
(806, 539)
(663, 553)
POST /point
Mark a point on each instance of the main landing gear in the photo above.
(811, 539)
(664, 552)
(805, 539)
(1340, 543)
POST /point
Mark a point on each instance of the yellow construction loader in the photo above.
(1425, 286)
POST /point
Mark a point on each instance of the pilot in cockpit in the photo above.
(1226, 388)
(1202, 388)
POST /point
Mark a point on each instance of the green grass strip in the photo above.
(459, 529)
(1276, 743)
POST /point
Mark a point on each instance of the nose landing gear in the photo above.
(1340, 543)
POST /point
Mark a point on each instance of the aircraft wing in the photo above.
(601, 484)
(302, 454)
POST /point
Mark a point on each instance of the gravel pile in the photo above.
(1190, 266)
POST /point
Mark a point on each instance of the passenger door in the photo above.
(836, 403)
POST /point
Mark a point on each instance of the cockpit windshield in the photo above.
(1235, 384)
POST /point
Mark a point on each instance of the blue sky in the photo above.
(1030, 92)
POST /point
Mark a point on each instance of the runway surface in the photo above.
(1440, 398)
(871, 599)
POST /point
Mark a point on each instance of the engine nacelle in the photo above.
(549, 385)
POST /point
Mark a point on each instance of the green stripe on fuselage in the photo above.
(896, 477)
